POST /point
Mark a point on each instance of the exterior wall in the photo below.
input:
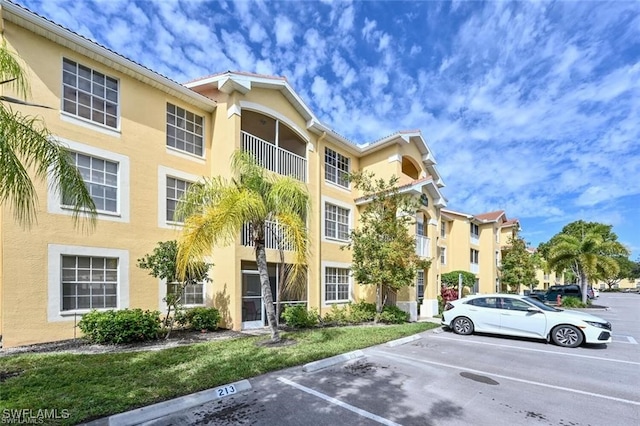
(30, 259)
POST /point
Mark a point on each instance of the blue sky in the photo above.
(533, 108)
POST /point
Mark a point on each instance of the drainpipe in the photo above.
(319, 181)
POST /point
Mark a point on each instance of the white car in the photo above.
(596, 293)
(524, 316)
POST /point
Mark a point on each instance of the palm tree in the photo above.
(27, 146)
(588, 257)
(215, 211)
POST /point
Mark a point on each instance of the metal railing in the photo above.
(274, 158)
(274, 236)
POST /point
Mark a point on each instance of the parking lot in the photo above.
(445, 379)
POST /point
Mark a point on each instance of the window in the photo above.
(443, 229)
(336, 287)
(475, 230)
(89, 282)
(420, 283)
(89, 94)
(443, 256)
(101, 178)
(336, 168)
(193, 294)
(176, 188)
(420, 229)
(475, 256)
(484, 302)
(336, 222)
(185, 130)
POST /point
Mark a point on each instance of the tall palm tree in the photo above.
(27, 146)
(215, 211)
(588, 257)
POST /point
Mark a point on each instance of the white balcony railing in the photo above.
(475, 240)
(423, 246)
(474, 268)
(274, 158)
(274, 237)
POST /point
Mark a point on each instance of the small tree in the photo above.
(518, 265)
(162, 264)
(625, 271)
(451, 279)
(384, 254)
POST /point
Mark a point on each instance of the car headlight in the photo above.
(606, 326)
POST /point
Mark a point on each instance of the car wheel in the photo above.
(567, 336)
(462, 325)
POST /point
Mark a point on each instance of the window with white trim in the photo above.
(336, 222)
(475, 230)
(176, 188)
(192, 294)
(443, 255)
(420, 284)
(89, 282)
(443, 229)
(89, 94)
(185, 130)
(475, 256)
(101, 178)
(336, 286)
(336, 168)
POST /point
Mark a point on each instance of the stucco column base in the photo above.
(411, 308)
(429, 308)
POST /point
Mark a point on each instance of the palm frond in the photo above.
(288, 195)
(21, 102)
(11, 72)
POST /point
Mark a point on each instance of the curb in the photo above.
(403, 340)
(172, 406)
(328, 362)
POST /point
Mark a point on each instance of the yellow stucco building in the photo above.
(139, 139)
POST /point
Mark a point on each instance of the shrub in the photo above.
(572, 302)
(299, 316)
(124, 326)
(199, 318)
(337, 315)
(393, 315)
(362, 312)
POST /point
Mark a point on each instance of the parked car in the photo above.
(554, 291)
(524, 316)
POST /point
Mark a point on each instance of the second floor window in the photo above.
(89, 94)
(336, 222)
(475, 256)
(176, 188)
(443, 229)
(101, 178)
(185, 130)
(336, 168)
(420, 283)
(443, 255)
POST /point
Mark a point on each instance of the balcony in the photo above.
(474, 268)
(274, 158)
(273, 237)
(423, 246)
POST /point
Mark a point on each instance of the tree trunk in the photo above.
(584, 283)
(261, 260)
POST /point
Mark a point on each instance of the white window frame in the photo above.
(162, 292)
(474, 256)
(184, 129)
(163, 174)
(476, 227)
(419, 279)
(443, 255)
(338, 265)
(93, 97)
(443, 229)
(337, 154)
(54, 273)
(54, 198)
(337, 203)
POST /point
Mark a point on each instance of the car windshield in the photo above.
(540, 305)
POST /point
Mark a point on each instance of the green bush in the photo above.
(572, 302)
(199, 318)
(337, 315)
(393, 315)
(298, 316)
(123, 326)
(361, 312)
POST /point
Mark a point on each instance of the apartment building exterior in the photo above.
(140, 139)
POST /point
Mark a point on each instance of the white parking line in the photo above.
(475, 342)
(629, 339)
(514, 379)
(332, 400)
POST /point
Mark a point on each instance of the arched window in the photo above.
(409, 168)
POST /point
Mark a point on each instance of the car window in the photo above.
(538, 304)
(483, 302)
(519, 305)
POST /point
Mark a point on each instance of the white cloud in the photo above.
(284, 30)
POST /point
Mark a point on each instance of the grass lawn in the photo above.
(93, 386)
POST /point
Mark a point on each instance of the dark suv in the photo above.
(562, 290)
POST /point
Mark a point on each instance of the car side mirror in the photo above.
(534, 310)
